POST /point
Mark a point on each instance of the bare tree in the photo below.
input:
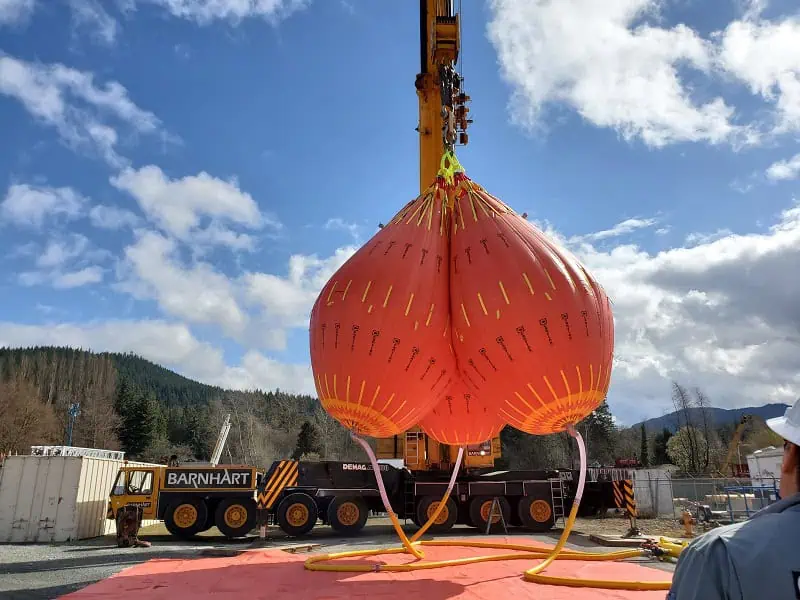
(26, 420)
(683, 404)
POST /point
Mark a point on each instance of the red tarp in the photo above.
(277, 575)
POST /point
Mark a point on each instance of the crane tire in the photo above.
(347, 515)
(479, 508)
(235, 517)
(186, 517)
(447, 518)
(297, 514)
(536, 513)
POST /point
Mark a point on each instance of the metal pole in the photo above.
(73, 412)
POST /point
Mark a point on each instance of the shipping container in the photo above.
(56, 498)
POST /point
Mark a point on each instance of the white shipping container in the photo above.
(56, 498)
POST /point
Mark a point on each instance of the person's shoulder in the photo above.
(715, 537)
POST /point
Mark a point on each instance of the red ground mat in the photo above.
(276, 575)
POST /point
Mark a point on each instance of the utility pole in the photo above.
(73, 412)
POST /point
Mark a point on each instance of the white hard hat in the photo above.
(788, 426)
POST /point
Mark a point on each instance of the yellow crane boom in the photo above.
(443, 122)
(442, 103)
(737, 435)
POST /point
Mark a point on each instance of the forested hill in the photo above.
(129, 403)
(169, 387)
(147, 410)
(132, 404)
(718, 416)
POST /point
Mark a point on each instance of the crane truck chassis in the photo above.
(296, 495)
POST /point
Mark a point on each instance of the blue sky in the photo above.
(178, 178)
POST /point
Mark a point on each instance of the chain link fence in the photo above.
(720, 499)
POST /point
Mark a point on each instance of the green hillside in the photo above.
(147, 410)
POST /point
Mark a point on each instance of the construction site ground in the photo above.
(45, 571)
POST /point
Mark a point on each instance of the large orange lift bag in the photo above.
(531, 327)
(462, 418)
(380, 332)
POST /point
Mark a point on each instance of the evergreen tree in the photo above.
(599, 430)
(139, 414)
(660, 456)
(198, 432)
(307, 441)
(125, 405)
(644, 458)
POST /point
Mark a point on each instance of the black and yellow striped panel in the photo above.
(630, 500)
(285, 475)
(619, 499)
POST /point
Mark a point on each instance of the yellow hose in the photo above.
(318, 563)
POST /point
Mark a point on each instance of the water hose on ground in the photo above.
(558, 552)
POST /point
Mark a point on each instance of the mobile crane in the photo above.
(296, 495)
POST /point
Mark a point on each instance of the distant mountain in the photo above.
(717, 416)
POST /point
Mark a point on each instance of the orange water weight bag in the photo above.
(532, 330)
(462, 417)
(380, 330)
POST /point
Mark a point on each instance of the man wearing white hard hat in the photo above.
(758, 559)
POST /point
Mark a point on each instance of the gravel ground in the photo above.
(48, 571)
(619, 525)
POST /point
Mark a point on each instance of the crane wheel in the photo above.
(479, 509)
(536, 513)
(186, 517)
(447, 518)
(347, 515)
(236, 517)
(297, 514)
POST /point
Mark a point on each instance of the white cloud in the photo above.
(625, 227)
(70, 101)
(90, 14)
(608, 63)
(66, 262)
(337, 223)
(766, 56)
(257, 371)
(13, 12)
(179, 206)
(721, 314)
(59, 252)
(73, 279)
(254, 308)
(618, 66)
(197, 293)
(204, 12)
(288, 299)
(785, 169)
(694, 239)
(112, 217)
(166, 343)
(31, 206)
(63, 280)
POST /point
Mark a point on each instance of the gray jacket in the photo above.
(758, 559)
